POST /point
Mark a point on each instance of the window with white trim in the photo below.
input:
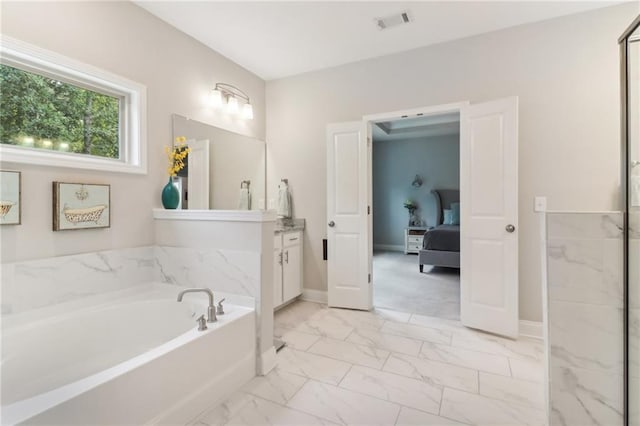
(59, 112)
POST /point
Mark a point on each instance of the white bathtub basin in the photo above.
(125, 363)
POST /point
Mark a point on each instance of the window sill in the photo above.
(9, 154)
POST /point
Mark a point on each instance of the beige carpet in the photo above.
(399, 285)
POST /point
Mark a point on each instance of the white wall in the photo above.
(178, 71)
(565, 72)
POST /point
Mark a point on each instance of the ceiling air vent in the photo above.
(393, 20)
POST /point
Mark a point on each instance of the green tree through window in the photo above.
(40, 112)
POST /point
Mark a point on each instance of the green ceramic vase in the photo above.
(170, 195)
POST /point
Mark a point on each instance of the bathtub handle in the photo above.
(202, 323)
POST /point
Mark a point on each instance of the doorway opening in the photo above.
(415, 186)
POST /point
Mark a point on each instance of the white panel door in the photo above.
(347, 230)
(489, 216)
(198, 183)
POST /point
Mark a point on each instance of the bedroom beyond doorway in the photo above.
(412, 159)
(399, 285)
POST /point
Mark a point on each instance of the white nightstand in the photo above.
(413, 239)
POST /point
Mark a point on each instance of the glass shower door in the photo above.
(630, 48)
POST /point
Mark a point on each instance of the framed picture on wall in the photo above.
(81, 206)
(10, 198)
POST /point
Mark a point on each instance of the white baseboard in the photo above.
(318, 296)
(531, 329)
(267, 361)
(388, 247)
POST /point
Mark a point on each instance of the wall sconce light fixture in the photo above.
(227, 96)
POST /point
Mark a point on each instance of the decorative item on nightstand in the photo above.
(412, 207)
(176, 155)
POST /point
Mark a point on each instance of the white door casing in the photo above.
(347, 227)
(198, 183)
(488, 205)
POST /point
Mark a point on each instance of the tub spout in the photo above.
(211, 311)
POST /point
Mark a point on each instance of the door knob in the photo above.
(510, 228)
(332, 224)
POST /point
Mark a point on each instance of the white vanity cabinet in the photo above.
(287, 267)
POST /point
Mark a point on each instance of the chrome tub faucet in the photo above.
(211, 310)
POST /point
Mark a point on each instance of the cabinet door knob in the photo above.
(332, 224)
(510, 228)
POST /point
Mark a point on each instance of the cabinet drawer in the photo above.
(414, 247)
(292, 238)
(412, 239)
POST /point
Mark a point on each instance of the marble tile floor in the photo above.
(398, 284)
(344, 367)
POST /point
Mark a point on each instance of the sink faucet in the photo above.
(211, 311)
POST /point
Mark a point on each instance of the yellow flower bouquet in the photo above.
(176, 155)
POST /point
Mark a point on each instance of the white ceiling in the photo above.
(417, 127)
(278, 39)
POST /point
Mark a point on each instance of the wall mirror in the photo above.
(225, 170)
(630, 84)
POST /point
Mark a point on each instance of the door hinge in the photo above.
(368, 209)
(369, 278)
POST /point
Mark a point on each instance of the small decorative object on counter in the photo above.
(176, 154)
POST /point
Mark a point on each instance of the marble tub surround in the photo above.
(70, 280)
(38, 283)
(388, 368)
(232, 249)
(288, 225)
(584, 316)
(229, 271)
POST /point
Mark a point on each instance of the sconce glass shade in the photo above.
(247, 112)
(215, 98)
(232, 105)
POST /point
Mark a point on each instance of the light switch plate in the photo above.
(540, 204)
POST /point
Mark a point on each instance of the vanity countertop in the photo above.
(289, 225)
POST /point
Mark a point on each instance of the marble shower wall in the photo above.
(585, 318)
(41, 283)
